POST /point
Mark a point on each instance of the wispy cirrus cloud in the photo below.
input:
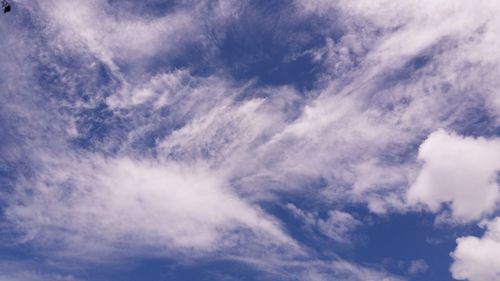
(19, 271)
(338, 226)
(164, 158)
(100, 202)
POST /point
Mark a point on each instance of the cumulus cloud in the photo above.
(458, 170)
(478, 259)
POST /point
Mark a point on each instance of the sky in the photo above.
(250, 140)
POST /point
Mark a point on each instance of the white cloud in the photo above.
(478, 259)
(320, 270)
(119, 33)
(359, 120)
(354, 135)
(344, 136)
(392, 33)
(309, 218)
(90, 25)
(418, 266)
(359, 134)
(338, 226)
(27, 271)
(458, 170)
(362, 273)
(99, 202)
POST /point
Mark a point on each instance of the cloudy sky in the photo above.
(235, 140)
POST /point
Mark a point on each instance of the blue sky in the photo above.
(230, 140)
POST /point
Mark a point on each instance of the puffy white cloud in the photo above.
(458, 170)
(478, 259)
